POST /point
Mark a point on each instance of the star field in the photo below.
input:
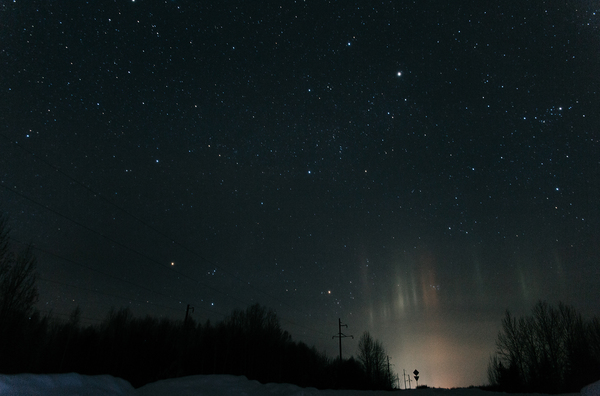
(412, 169)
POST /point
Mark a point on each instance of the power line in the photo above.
(155, 304)
(119, 243)
(97, 194)
(113, 277)
(107, 294)
(132, 299)
(92, 269)
(341, 335)
(139, 253)
(89, 320)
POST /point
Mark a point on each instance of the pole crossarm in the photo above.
(341, 335)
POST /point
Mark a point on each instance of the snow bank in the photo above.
(220, 385)
(199, 385)
(64, 384)
(591, 390)
(215, 385)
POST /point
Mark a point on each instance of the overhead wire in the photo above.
(119, 243)
(112, 277)
(162, 266)
(87, 319)
(92, 269)
(96, 194)
(107, 294)
(99, 195)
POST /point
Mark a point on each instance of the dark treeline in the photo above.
(554, 350)
(142, 350)
(248, 342)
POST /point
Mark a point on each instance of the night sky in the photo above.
(413, 168)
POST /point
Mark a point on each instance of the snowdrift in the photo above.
(63, 384)
(198, 385)
(591, 390)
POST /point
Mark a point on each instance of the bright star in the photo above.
(399, 74)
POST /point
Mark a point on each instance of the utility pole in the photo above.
(341, 335)
(389, 373)
(187, 312)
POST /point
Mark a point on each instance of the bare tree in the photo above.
(372, 356)
(18, 292)
(549, 350)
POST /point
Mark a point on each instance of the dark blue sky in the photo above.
(414, 169)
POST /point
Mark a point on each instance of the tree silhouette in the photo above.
(550, 351)
(372, 357)
(248, 342)
(18, 294)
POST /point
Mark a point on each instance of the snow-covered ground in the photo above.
(205, 385)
